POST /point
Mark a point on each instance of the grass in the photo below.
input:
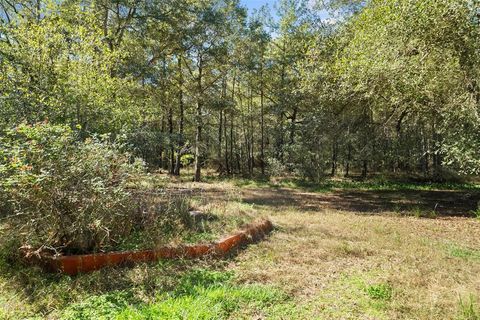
(322, 262)
(464, 253)
(349, 184)
(200, 294)
(469, 309)
(381, 291)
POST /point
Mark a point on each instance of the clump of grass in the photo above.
(464, 253)
(468, 310)
(421, 213)
(380, 291)
(476, 213)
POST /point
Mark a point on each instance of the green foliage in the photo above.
(476, 213)
(58, 68)
(64, 193)
(186, 159)
(380, 291)
(382, 86)
(401, 66)
(275, 167)
(102, 307)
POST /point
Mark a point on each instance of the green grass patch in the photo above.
(357, 296)
(468, 309)
(106, 306)
(464, 253)
(379, 291)
(200, 294)
(347, 184)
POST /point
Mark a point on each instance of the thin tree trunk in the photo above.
(293, 126)
(262, 131)
(349, 158)
(180, 127)
(198, 133)
(170, 132)
(365, 169)
(227, 165)
(232, 123)
(334, 158)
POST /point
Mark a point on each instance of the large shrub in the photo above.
(62, 193)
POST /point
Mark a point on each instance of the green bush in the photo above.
(62, 193)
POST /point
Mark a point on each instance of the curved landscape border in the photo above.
(75, 264)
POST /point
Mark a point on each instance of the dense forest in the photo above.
(378, 86)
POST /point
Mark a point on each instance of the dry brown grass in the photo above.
(327, 259)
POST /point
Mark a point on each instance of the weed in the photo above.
(476, 213)
(464, 253)
(468, 310)
(100, 307)
(421, 213)
(380, 291)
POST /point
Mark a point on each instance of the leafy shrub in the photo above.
(146, 142)
(161, 219)
(63, 193)
(187, 159)
(275, 167)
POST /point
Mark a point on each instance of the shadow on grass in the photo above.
(442, 203)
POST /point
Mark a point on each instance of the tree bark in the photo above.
(198, 120)
(180, 127)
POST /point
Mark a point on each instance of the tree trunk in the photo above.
(170, 132)
(197, 143)
(180, 127)
(334, 158)
(293, 125)
(227, 165)
(365, 169)
(349, 158)
(232, 124)
(198, 133)
(262, 131)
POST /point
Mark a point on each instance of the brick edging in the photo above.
(75, 264)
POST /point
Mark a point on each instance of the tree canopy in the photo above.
(382, 86)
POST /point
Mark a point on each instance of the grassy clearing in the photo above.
(321, 262)
(341, 265)
(349, 184)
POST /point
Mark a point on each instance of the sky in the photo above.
(257, 4)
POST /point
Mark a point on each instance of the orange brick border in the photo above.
(85, 263)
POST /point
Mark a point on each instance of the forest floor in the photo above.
(337, 252)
